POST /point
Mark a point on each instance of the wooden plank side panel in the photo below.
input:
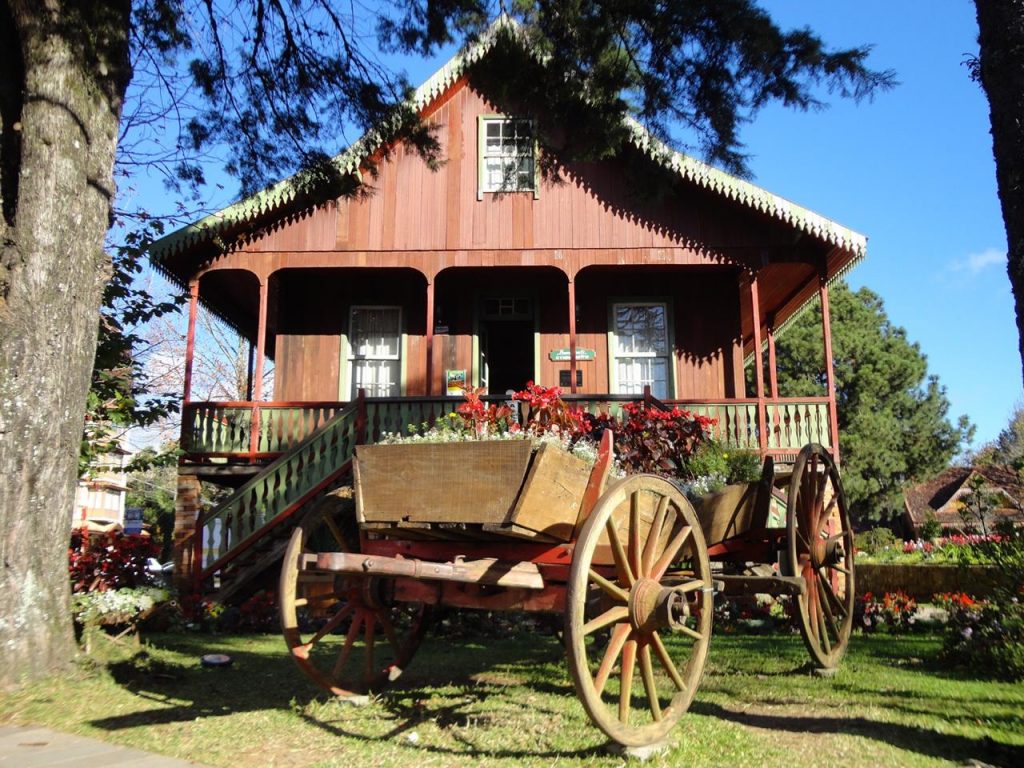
(454, 482)
(550, 501)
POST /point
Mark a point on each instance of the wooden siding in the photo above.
(313, 309)
(413, 209)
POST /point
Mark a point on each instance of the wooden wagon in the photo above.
(628, 562)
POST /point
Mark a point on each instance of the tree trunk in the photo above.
(67, 61)
(1001, 40)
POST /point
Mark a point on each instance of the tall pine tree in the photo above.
(894, 421)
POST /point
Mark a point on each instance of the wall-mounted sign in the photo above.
(133, 520)
(562, 355)
(455, 383)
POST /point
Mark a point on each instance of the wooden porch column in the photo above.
(187, 535)
(826, 330)
(261, 341)
(248, 374)
(572, 336)
(430, 337)
(755, 316)
(190, 342)
(773, 373)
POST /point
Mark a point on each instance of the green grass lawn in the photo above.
(510, 702)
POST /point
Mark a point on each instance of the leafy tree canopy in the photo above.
(893, 418)
(1008, 447)
(277, 81)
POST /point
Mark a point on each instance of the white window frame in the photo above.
(483, 183)
(350, 357)
(613, 358)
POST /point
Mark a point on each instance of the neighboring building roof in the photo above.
(940, 495)
(280, 196)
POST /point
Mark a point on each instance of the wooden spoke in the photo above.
(647, 675)
(831, 596)
(606, 619)
(346, 650)
(618, 639)
(671, 552)
(625, 572)
(389, 630)
(331, 625)
(335, 530)
(370, 639)
(654, 536)
(635, 715)
(822, 630)
(691, 633)
(634, 534)
(609, 588)
(626, 680)
(691, 586)
(826, 608)
(666, 661)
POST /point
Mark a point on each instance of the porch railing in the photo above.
(280, 489)
(225, 430)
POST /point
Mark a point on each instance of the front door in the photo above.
(506, 344)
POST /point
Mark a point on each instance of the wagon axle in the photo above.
(653, 607)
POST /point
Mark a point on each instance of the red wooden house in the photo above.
(485, 272)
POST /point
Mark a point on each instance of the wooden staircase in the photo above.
(247, 534)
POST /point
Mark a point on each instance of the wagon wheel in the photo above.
(641, 578)
(345, 631)
(820, 543)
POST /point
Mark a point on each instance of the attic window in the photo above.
(507, 155)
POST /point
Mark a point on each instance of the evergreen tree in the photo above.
(893, 418)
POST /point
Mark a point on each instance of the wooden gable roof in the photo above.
(182, 252)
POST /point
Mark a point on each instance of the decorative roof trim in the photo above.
(350, 161)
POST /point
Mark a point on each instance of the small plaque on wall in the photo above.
(564, 378)
(455, 383)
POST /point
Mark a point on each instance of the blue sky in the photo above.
(913, 171)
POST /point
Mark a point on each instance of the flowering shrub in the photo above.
(761, 613)
(547, 412)
(985, 636)
(649, 439)
(104, 561)
(482, 418)
(895, 611)
(116, 606)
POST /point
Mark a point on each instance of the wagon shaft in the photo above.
(490, 571)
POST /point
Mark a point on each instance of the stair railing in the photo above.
(276, 493)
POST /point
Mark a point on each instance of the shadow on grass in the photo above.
(455, 719)
(448, 687)
(920, 740)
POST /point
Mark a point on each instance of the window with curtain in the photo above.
(375, 351)
(640, 349)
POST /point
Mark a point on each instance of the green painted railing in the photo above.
(219, 429)
(279, 490)
(226, 428)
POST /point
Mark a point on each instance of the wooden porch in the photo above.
(250, 434)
